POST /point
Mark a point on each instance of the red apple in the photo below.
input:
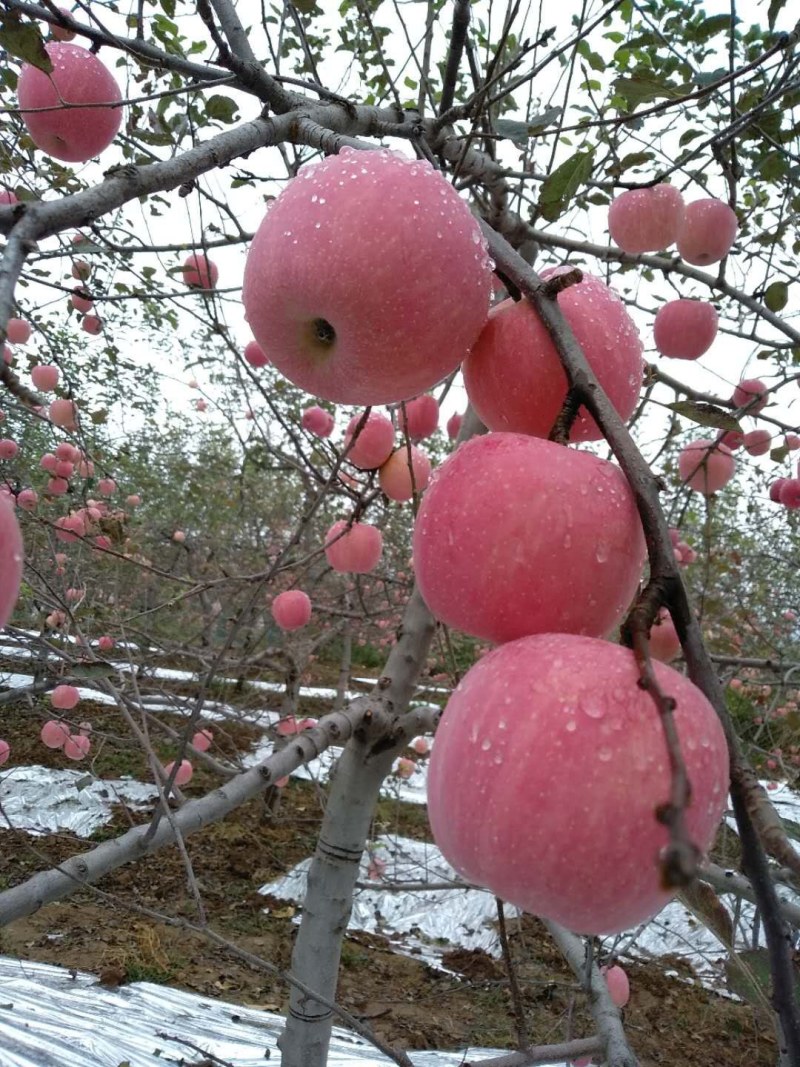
(27, 499)
(253, 352)
(74, 134)
(45, 377)
(706, 466)
(183, 774)
(54, 733)
(790, 493)
(64, 413)
(454, 425)
(775, 489)
(372, 444)
(105, 643)
(12, 555)
(732, 439)
(752, 394)
(550, 760)
(202, 740)
(646, 220)
(7, 197)
(421, 417)
(64, 697)
(395, 474)
(618, 985)
(367, 281)
(757, 442)
(291, 610)
(5, 751)
(92, 324)
(514, 376)
(81, 300)
(18, 331)
(77, 746)
(664, 641)
(516, 535)
(61, 33)
(318, 421)
(356, 549)
(707, 232)
(8, 448)
(685, 329)
(199, 272)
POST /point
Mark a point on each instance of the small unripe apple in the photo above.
(529, 722)
(646, 220)
(372, 444)
(291, 610)
(353, 549)
(73, 134)
(707, 231)
(199, 272)
(757, 442)
(254, 353)
(421, 418)
(516, 535)
(45, 377)
(318, 421)
(706, 466)
(752, 394)
(395, 474)
(685, 329)
(350, 332)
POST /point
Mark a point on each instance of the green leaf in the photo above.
(779, 454)
(705, 414)
(99, 417)
(560, 185)
(748, 974)
(775, 8)
(23, 40)
(305, 7)
(643, 90)
(711, 26)
(221, 108)
(519, 132)
(776, 296)
(101, 669)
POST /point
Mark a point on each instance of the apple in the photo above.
(792, 442)
(64, 413)
(372, 444)
(44, 377)
(92, 324)
(12, 554)
(253, 352)
(183, 774)
(775, 489)
(707, 231)
(77, 746)
(8, 448)
(550, 760)
(368, 281)
(133, 501)
(81, 270)
(646, 220)
(756, 442)
(516, 535)
(618, 985)
(514, 377)
(421, 418)
(107, 487)
(353, 548)
(732, 439)
(706, 466)
(318, 421)
(81, 300)
(5, 751)
(54, 733)
(18, 331)
(395, 474)
(685, 329)
(751, 393)
(454, 425)
(665, 644)
(27, 499)
(790, 493)
(61, 33)
(179, 537)
(202, 740)
(73, 134)
(64, 697)
(7, 197)
(105, 643)
(291, 610)
(199, 272)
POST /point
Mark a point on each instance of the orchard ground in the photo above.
(406, 1000)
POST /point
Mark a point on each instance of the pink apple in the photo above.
(45, 377)
(7, 197)
(665, 644)
(61, 33)
(372, 444)
(645, 220)
(756, 442)
(133, 501)
(254, 353)
(77, 746)
(74, 134)
(516, 535)
(775, 489)
(105, 643)
(751, 393)
(199, 272)
(291, 610)
(421, 417)
(107, 487)
(732, 439)
(707, 232)
(5, 751)
(179, 537)
(91, 324)
(618, 985)
(514, 376)
(685, 329)
(184, 772)
(70, 527)
(81, 269)
(355, 548)
(81, 301)
(792, 442)
(317, 421)
(64, 697)
(395, 474)
(18, 331)
(454, 425)
(202, 740)
(12, 555)
(54, 733)
(526, 724)
(368, 280)
(790, 493)
(27, 499)
(706, 466)
(64, 413)
(8, 448)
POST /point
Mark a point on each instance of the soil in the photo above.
(406, 1001)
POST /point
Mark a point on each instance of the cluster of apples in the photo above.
(549, 759)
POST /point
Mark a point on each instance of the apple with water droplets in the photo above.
(646, 220)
